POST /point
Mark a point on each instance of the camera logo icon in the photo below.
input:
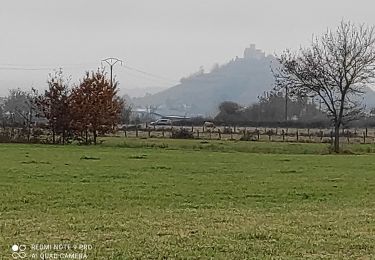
(18, 251)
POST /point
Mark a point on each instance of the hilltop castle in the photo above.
(253, 53)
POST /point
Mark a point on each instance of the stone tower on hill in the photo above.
(253, 53)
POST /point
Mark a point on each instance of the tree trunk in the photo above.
(53, 136)
(28, 133)
(338, 123)
(29, 125)
(336, 145)
(95, 137)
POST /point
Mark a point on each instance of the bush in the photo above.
(182, 133)
(248, 136)
(227, 130)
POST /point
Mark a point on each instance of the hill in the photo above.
(241, 80)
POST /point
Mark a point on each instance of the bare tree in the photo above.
(336, 68)
(125, 112)
(20, 109)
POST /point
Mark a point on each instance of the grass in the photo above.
(237, 146)
(153, 199)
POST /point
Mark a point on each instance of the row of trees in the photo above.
(70, 112)
(270, 110)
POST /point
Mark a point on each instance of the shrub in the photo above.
(182, 133)
(248, 136)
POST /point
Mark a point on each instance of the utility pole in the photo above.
(286, 104)
(111, 63)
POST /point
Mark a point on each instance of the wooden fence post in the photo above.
(331, 137)
(297, 135)
(219, 132)
(347, 135)
(170, 131)
(136, 131)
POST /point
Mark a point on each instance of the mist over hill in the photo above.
(241, 80)
(141, 92)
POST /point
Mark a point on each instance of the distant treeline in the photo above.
(273, 110)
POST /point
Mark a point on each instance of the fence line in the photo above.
(304, 135)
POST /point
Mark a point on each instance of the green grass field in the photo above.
(155, 199)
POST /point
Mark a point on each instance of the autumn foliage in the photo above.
(83, 112)
(95, 105)
(55, 107)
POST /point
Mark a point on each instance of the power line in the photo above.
(150, 74)
(9, 68)
(110, 61)
(145, 78)
(49, 65)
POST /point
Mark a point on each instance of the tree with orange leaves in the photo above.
(95, 106)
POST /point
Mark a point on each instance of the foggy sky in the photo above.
(168, 38)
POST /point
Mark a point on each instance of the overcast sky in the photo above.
(167, 38)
